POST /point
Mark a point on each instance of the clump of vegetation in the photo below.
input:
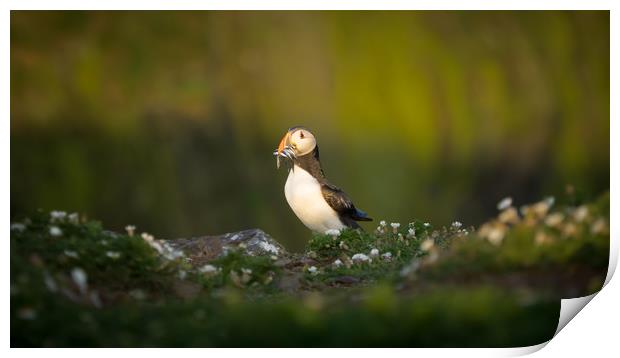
(241, 270)
(377, 255)
(399, 285)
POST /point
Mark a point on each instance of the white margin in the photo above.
(573, 340)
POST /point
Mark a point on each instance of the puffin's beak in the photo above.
(284, 150)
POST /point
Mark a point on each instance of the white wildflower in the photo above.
(427, 225)
(147, 237)
(337, 263)
(395, 227)
(137, 294)
(246, 270)
(50, 283)
(57, 215)
(542, 238)
(130, 230)
(55, 231)
(509, 216)
(343, 245)
(360, 258)
(411, 233)
(383, 223)
(208, 269)
(71, 253)
(374, 253)
(600, 227)
(80, 279)
(313, 270)
(581, 213)
(74, 218)
(496, 235)
(427, 245)
(113, 254)
(274, 257)
(18, 227)
(457, 224)
(386, 256)
(550, 200)
(504, 203)
(333, 232)
(554, 219)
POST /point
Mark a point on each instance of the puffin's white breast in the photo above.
(303, 193)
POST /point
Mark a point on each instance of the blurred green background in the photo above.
(168, 120)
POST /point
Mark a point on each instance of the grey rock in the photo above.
(254, 242)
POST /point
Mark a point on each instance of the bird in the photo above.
(320, 206)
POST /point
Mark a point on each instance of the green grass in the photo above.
(446, 287)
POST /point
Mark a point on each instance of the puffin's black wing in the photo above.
(340, 202)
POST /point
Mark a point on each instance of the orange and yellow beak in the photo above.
(284, 149)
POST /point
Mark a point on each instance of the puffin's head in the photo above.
(297, 142)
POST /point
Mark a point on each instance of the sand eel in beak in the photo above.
(320, 205)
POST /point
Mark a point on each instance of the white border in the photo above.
(594, 329)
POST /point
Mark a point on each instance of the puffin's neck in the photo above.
(311, 163)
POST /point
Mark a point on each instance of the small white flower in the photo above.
(57, 215)
(457, 224)
(246, 270)
(137, 294)
(337, 263)
(395, 227)
(427, 244)
(208, 269)
(580, 213)
(374, 253)
(74, 218)
(504, 203)
(360, 258)
(387, 256)
(550, 200)
(18, 227)
(382, 223)
(427, 224)
(411, 233)
(80, 279)
(333, 232)
(147, 237)
(130, 230)
(313, 270)
(55, 231)
(274, 257)
(50, 283)
(554, 219)
(113, 254)
(71, 254)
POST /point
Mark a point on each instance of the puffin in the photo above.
(319, 205)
